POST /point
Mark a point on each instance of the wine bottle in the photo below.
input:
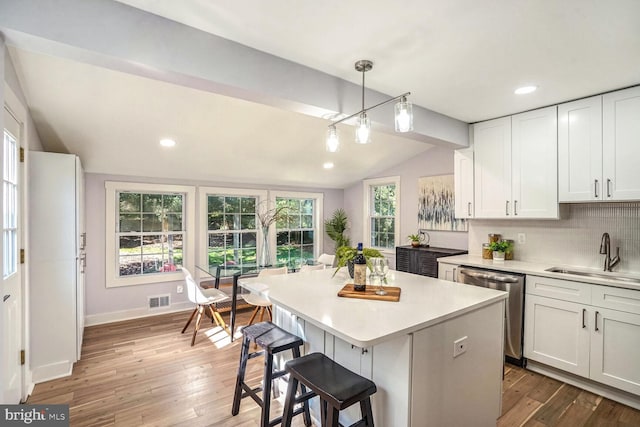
(359, 270)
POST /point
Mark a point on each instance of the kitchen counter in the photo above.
(407, 347)
(423, 302)
(539, 269)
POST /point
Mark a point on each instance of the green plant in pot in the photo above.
(336, 226)
(414, 239)
(499, 248)
(345, 255)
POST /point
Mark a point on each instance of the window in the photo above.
(382, 212)
(230, 226)
(10, 205)
(299, 231)
(149, 231)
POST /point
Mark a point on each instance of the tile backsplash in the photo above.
(574, 239)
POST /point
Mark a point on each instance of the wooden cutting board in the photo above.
(393, 293)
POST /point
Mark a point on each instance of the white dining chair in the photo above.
(327, 259)
(307, 267)
(203, 298)
(262, 303)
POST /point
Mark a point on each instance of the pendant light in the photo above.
(403, 115)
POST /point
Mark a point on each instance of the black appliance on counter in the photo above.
(422, 260)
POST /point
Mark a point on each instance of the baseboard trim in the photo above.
(586, 384)
(136, 313)
(52, 371)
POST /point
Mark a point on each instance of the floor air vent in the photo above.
(159, 301)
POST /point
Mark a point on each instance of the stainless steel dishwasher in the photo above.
(513, 283)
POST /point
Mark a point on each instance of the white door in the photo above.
(492, 168)
(11, 274)
(557, 333)
(463, 182)
(534, 154)
(615, 341)
(580, 150)
(621, 144)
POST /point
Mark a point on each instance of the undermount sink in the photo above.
(610, 276)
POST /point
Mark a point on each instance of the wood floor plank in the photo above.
(144, 372)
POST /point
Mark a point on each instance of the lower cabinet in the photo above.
(447, 271)
(591, 339)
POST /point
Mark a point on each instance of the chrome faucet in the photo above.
(605, 249)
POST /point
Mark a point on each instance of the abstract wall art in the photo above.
(436, 208)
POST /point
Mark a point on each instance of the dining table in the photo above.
(233, 271)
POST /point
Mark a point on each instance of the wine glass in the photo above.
(380, 269)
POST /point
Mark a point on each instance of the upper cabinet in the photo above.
(621, 144)
(463, 182)
(598, 144)
(515, 166)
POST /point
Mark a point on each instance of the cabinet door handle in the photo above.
(597, 321)
(364, 350)
(584, 311)
(595, 188)
(455, 271)
(608, 187)
(6, 297)
(515, 207)
(506, 210)
(469, 209)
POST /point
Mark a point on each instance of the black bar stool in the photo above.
(272, 340)
(337, 387)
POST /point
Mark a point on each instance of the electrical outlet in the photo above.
(522, 238)
(459, 346)
(180, 289)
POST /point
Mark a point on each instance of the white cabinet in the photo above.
(554, 334)
(447, 271)
(580, 150)
(585, 329)
(515, 166)
(492, 167)
(463, 182)
(598, 142)
(621, 144)
(56, 257)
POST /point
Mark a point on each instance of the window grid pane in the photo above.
(150, 232)
(232, 231)
(382, 216)
(10, 206)
(295, 236)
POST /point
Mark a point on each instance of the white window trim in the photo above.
(203, 230)
(366, 186)
(319, 218)
(112, 187)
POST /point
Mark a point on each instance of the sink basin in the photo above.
(608, 276)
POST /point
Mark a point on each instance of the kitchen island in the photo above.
(406, 347)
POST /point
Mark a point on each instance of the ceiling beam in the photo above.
(110, 34)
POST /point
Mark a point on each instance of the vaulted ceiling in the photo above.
(247, 88)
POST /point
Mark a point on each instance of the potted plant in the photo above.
(345, 255)
(499, 248)
(414, 239)
(336, 226)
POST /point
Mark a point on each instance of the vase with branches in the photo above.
(267, 214)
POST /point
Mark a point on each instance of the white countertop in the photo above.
(539, 269)
(424, 301)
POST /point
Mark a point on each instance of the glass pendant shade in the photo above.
(333, 143)
(363, 129)
(404, 116)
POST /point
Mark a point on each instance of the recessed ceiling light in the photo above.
(328, 165)
(525, 89)
(166, 142)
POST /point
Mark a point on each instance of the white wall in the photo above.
(435, 161)
(109, 304)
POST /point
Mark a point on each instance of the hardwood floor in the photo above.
(144, 372)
